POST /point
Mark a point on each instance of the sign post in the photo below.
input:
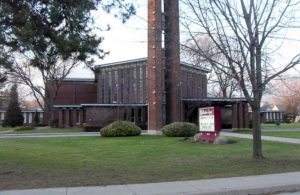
(209, 123)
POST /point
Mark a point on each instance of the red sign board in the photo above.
(209, 122)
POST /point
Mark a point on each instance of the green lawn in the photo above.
(54, 162)
(2, 129)
(281, 126)
(53, 130)
(288, 134)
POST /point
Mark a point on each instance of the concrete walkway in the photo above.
(262, 184)
(265, 138)
(8, 131)
(90, 134)
(74, 134)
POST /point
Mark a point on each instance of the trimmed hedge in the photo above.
(24, 128)
(91, 128)
(53, 123)
(120, 129)
(180, 129)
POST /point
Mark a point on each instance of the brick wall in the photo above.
(172, 61)
(123, 83)
(102, 116)
(193, 84)
(74, 93)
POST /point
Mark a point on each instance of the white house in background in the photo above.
(272, 113)
(29, 115)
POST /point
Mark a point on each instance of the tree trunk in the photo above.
(48, 113)
(257, 143)
(224, 92)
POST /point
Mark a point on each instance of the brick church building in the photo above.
(152, 91)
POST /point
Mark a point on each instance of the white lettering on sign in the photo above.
(207, 119)
(206, 111)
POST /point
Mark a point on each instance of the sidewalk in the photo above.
(8, 131)
(265, 138)
(91, 134)
(262, 184)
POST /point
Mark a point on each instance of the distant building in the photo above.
(272, 113)
(30, 116)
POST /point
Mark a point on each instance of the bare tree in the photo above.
(252, 26)
(30, 104)
(44, 83)
(288, 94)
(197, 49)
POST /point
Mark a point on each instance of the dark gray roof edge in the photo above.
(112, 105)
(215, 99)
(264, 111)
(96, 105)
(74, 79)
(31, 110)
(145, 59)
(195, 67)
(66, 106)
(121, 62)
(77, 79)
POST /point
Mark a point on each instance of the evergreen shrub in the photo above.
(88, 128)
(180, 129)
(14, 116)
(53, 123)
(120, 129)
(24, 128)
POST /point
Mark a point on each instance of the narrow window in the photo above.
(25, 119)
(116, 84)
(121, 95)
(134, 85)
(141, 97)
(129, 95)
(132, 114)
(109, 87)
(78, 116)
(140, 115)
(102, 86)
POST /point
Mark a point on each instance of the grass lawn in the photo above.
(288, 134)
(281, 126)
(53, 130)
(82, 161)
(2, 129)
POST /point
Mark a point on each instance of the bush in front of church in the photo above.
(120, 129)
(180, 129)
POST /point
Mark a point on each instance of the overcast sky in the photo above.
(123, 41)
(129, 41)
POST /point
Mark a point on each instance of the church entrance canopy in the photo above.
(234, 111)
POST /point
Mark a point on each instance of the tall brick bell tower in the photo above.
(163, 64)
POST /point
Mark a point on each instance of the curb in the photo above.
(253, 191)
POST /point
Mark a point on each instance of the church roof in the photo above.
(140, 60)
